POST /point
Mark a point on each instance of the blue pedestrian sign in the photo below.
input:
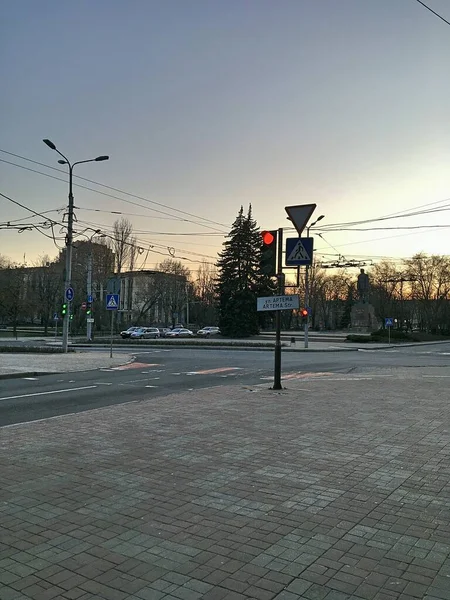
(112, 301)
(389, 322)
(299, 251)
(89, 298)
(55, 317)
(69, 294)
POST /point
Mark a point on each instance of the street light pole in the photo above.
(69, 236)
(306, 338)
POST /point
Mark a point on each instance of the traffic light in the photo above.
(64, 309)
(304, 315)
(268, 265)
(88, 308)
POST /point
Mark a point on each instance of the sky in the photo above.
(204, 105)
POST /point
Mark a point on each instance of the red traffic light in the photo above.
(267, 237)
(304, 312)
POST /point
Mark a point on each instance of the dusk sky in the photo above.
(204, 105)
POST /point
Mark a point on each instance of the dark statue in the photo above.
(363, 287)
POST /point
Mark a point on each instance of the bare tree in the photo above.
(174, 288)
(123, 245)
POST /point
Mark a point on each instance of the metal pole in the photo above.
(187, 304)
(306, 338)
(277, 369)
(307, 305)
(89, 293)
(68, 277)
(112, 333)
(56, 329)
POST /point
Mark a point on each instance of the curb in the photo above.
(27, 374)
(238, 348)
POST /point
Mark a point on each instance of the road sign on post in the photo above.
(389, 322)
(300, 215)
(112, 301)
(277, 302)
(299, 251)
(69, 294)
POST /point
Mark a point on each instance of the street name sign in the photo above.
(69, 294)
(89, 320)
(300, 215)
(299, 251)
(277, 303)
(112, 301)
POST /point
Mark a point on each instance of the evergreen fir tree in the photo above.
(240, 281)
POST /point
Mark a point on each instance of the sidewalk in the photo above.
(335, 488)
(24, 364)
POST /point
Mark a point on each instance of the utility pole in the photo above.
(89, 293)
(307, 286)
(187, 304)
(69, 236)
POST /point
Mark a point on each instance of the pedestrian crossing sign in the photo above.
(299, 251)
(389, 322)
(112, 301)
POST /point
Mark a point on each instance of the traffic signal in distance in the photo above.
(304, 314)
(64, 309)
(268, 265)
(88, 308)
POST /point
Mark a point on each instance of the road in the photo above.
(159, 372)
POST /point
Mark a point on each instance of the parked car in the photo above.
(207, 331)
(127, 333)
(145, 333)
(179, 333)
(163, 331)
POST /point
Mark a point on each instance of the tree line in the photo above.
(415, 291)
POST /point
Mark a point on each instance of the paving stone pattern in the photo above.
(336, 490)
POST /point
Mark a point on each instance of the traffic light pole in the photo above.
(68, 277)
(89, 294)
(277, 370)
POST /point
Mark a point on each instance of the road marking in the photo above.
(30, 378)
(135, 365)
(151, 386)
(436, 376)
(213, 371)
(86, 387)
(102, 383)
(306, 375)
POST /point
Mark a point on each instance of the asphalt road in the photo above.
(158, 372)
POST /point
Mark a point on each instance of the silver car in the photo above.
(179, 333)
(207, 331)
(145, 333)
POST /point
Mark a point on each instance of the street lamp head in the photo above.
(62, 162)
(50, 144)
(100, 158)
(320, 218)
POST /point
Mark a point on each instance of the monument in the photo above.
(362, 316)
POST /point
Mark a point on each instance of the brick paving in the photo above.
(337, 488)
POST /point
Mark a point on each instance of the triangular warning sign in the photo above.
(298, 252)
(112, 302)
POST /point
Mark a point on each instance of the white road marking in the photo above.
(151, 386)
(30, 378)
(86, 387)
(102, 383)
(436, 376)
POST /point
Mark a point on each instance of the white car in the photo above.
(145, 333)
(179, 333)
(207, 331)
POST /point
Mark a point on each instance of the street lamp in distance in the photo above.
(69, 238)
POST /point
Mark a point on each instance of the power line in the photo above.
(85, 187)
(433, 11)
(115, 189)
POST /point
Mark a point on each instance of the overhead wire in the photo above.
(177, 210)
(433, 11)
